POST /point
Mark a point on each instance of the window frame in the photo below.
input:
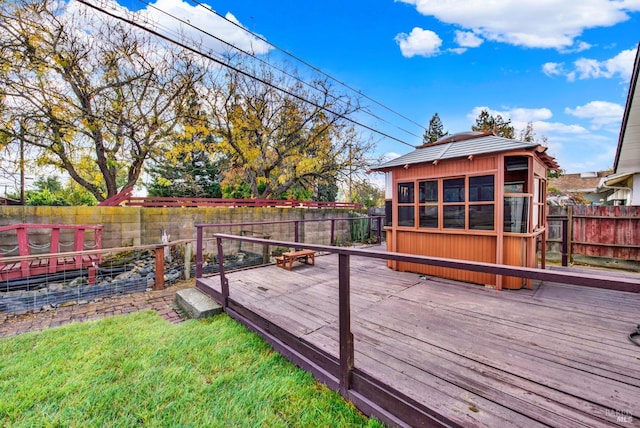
(461, 202)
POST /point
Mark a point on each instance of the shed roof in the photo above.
(465, 144)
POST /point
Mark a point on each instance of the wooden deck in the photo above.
(556, 355)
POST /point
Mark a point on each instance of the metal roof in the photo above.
(457, 149)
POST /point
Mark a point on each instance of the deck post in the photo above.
(198, 251)
(344, 322)
(159, 276)
(224, 284)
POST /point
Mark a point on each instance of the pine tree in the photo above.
(435, 130)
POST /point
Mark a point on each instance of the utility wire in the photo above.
(244, 73)
(289, 54)
(281, 70)
(262, 61)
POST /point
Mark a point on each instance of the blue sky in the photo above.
(560, 64)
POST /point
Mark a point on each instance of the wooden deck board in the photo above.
(555, 355)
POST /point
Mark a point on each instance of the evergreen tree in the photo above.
(194, 175)
(435, 130)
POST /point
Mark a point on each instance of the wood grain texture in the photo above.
(555, 355)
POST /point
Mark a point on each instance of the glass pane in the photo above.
(406, 216)
(405, 193)
(481, 188)
(514, 187)
(428, 216)
(453, 190)
(516, 214)
(428, 191)
(453, 217)
(481, 217)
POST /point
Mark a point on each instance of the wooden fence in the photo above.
(600, 235)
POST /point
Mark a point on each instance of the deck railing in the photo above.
(369, 394)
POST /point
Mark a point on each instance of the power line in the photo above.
(285, 72)
(240, 71)
(289, 54)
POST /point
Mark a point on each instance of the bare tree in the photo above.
(95, 96)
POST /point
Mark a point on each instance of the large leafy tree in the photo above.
(486, 122)
(96, 98)
(435, 131)
(281, 137)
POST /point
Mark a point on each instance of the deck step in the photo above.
(196, 304)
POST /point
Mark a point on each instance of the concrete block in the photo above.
(197, 304)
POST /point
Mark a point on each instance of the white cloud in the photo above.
(521, 115)
(468, 39)
(620, 65)
(419, 42)
(598, 113)
(553, 69)
(531, 23)
(196, 17)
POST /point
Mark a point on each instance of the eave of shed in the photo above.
(483, 144)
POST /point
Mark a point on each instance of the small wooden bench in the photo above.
(304, 256)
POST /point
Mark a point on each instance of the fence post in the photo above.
(344, 323)
(187, 260)
(565, 239)
(198, 251)
(569, 234)
(379, 234)
(159, 280)
(224, 284)
(333, 231)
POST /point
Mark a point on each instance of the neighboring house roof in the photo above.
(465, 144)
(628, 153)
(579, 183)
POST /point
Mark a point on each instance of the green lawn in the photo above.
(139, 369)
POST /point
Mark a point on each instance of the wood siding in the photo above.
(459, 246)
(447, 169)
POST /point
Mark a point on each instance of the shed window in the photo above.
(453, 190)
(481, 188)
(481, 202)
(453, 217)
(428, 203)
(406, 205)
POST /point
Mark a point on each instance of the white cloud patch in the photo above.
(419, 42)
(195, 17)
(516, 115)
(467, 39)
(531, 23)
(620, 66)
(599, 113)
(553, 69)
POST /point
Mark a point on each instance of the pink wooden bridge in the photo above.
(53, 257)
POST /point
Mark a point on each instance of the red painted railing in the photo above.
(54, 263)
(125, 198)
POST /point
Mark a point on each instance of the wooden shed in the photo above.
(469, 196)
